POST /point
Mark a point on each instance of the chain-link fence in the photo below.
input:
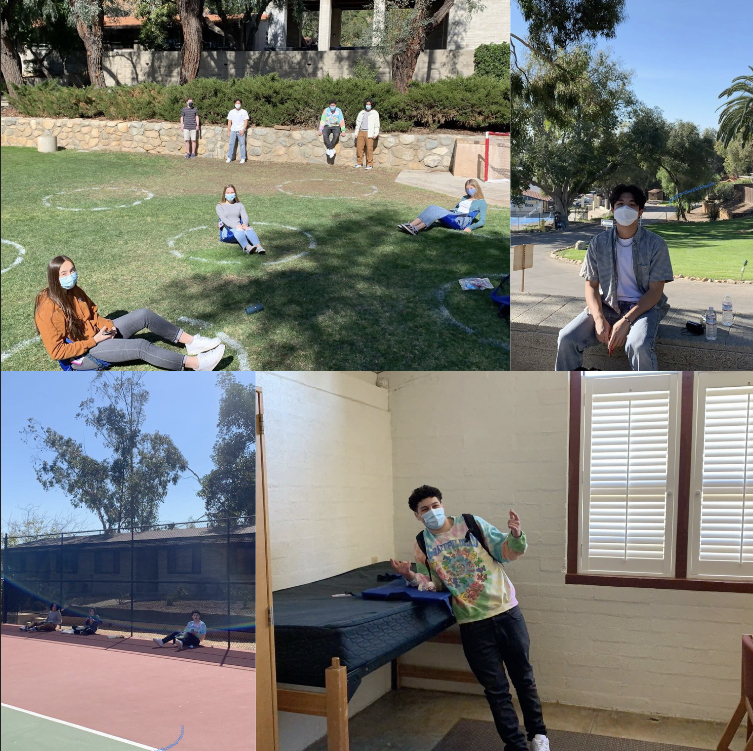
(144, 581)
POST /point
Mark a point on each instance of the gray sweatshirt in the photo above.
(55, 616)
(232, 214)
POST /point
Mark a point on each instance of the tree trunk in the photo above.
(11, 61)
(190, 56)
(91, 35)
(561, 202)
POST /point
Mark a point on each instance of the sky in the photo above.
(183, 406)
(684, 53)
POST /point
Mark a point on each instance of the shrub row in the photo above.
(492, 60)
(476, 102)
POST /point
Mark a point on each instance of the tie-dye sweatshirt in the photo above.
(478, 583)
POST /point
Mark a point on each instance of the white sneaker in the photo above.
(357, 166)
(158, 641)
(227, 161)
(369, 168)
(540, 743)
(181, 645)
(243, 161)
(210, 360)
(201, 344)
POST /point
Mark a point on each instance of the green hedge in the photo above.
(477, 102)
(492, 60)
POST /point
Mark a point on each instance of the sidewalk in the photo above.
(496, 193)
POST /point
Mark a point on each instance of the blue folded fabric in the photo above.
(399, 590)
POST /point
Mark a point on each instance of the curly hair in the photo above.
(421, 494)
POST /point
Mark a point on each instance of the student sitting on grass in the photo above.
(473, 200)
(90, 624)
(78, 337)
(191, 636)
(53, 620)
(234, 222)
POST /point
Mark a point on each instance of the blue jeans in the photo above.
(432, 214)
(243, 237)
(241, 139)
(581, 333)
(490, 646)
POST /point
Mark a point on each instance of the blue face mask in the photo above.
(471, 191)
(368, 107)
(434, 518)
(229, 196)
(69, 282)
(332, 107)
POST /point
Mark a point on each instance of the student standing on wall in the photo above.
(367, 129)
(331, 124)
(237, 122)
(464, 555)
(189, 124)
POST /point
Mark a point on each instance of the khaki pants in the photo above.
(362, 141)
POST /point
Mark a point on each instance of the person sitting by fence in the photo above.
(79, 338)
(53, 620)
(469, 214)
(90, 624)
(233, 223)
(191, 636)
(331, 125)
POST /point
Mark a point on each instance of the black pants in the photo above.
(188, 639)
(490, 646)
(85, 630)
(331, 136)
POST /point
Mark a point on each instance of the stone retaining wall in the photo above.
(402, 150)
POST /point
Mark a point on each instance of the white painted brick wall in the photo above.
(491, 441)
(482, 27)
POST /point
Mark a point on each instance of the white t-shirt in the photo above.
(237, 118)
(464, 207)
(627, 286)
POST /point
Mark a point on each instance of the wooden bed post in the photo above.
(336, 682)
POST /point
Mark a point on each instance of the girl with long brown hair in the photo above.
(234, 225)
(461, 217)
(79, 338)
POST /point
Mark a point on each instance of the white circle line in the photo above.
(19, 256)
(243, 363)
(16, 348)
(321, 179)
(48, 204)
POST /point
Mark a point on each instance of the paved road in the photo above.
(496, 193)
(552, 277)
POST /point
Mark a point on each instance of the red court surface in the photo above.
(131, 689)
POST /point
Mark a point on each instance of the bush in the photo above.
(722, 191)
(492, 60)
(477, 102)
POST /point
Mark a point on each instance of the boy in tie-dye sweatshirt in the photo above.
(331, 124)
(492, 628)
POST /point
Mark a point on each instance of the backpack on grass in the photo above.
(502, 299)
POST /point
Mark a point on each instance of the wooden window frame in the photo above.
(680, 579)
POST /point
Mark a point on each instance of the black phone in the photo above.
(694, 327)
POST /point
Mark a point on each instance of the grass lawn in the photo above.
(366, 297)
(715, 249)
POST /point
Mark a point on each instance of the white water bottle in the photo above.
(710, 325)
(727, 311)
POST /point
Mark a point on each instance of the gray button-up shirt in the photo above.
(651, 263)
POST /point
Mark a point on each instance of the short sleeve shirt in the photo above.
(237, 118)
(189, 118)
(199, 628)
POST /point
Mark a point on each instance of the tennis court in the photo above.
(93, 692)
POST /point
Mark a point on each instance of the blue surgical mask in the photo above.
(69, 282)
(332, 107)
(229, 196)
(368, 107)
(434, 518)
(471, 191)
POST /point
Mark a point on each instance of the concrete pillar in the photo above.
(379, 21)
(47, 144)
(337, 26)
(325, 24)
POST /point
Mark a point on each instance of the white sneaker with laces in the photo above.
(357, 166)
(202, 344)
(158, 641)
(540, 743)
(243, 161)
(369, 168)
(210, 360)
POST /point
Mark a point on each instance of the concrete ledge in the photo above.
(537, 319)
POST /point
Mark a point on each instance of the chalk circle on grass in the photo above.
(312, 244)
(16, 348)
(372, 189)
(20, 253)
(47, 200)
(232, 343)
(447, 317)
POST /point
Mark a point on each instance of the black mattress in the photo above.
(312, 627)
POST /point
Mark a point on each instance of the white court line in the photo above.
(20, 257)
(449, 318)
(243, 363)
(321, 180)
(16, 348)
(46, 199)
(79, 727)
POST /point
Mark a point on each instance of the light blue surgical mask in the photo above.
(332, 107)
(229, 196)
(69, 282)
(471, 191)
(434, 518)
(368, 107)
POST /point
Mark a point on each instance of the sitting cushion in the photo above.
(226, 235)
(458, 221)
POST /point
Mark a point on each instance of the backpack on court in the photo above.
(473, 529)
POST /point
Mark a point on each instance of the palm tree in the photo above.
(737, 117)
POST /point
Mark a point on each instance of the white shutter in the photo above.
(722, 479)
(629, 474)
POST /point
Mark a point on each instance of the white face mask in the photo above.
(625, 215)
(237, 106)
